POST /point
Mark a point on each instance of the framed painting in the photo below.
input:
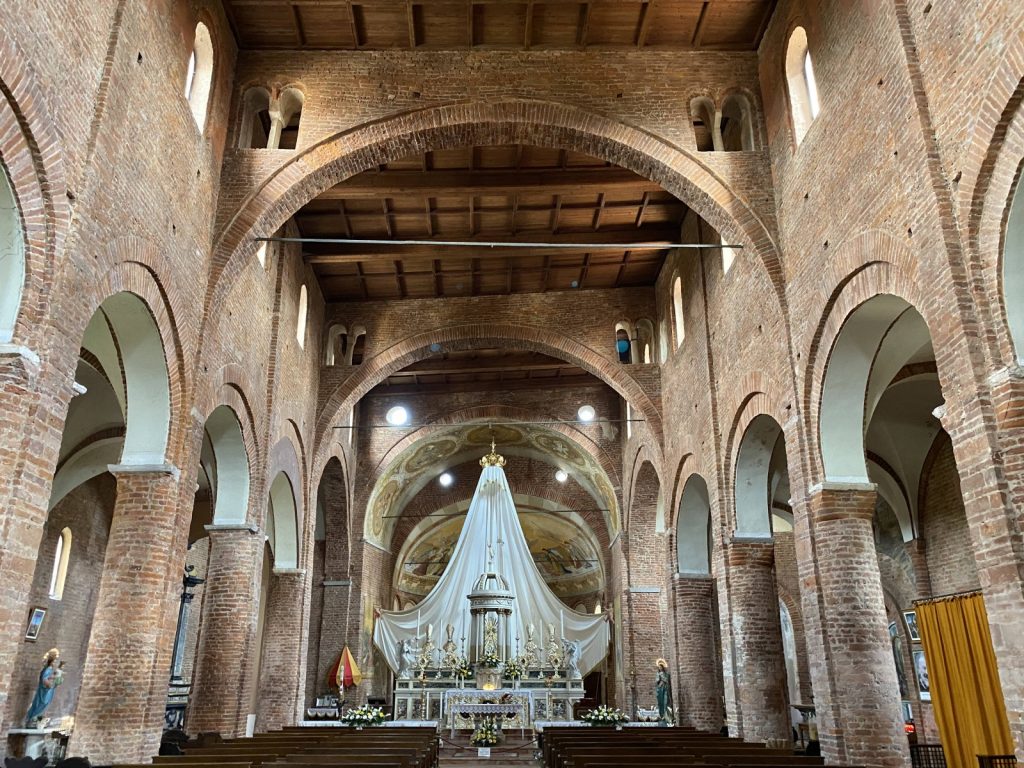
(911, 618)
(921, 671)
(35, 623)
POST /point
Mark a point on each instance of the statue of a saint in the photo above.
(410, 655)
(663, 690)
(491, 636)
(571, 649)
(50, 676)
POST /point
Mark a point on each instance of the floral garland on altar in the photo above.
(486, 734)
(490, 660)
(513, 669)
(364, 715)
(462, 669)
(605, 715)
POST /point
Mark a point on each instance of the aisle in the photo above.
(516, 752)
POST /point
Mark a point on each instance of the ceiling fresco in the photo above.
(561, 544)
(418, 464)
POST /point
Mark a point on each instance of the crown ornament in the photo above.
(493, 459)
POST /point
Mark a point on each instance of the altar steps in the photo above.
(514, 754)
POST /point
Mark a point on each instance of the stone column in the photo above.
(759, 665)
(121, 706)
(280, 688)
(856, 692)
(697, 694)
(32, 408)
(223, 680)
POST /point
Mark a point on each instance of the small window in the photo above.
(300, 324)
(261, 254)
(728, 257)
(629, 420)
(737, 126)
(623, 343)
(254, 131)
(337, 345)
(357, 348)
(199, 75)
(705, 126)
(289, 116)
(803, 88)
(60, 564)
(677, 309)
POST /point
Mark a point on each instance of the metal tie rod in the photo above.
(489, 244)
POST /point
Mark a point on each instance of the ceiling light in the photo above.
(561, 475)
(446, 480)
(397, 416)
(586, 413)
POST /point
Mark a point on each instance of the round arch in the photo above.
(534, 338)
(231, 502)
(12, 258)
(693, 521)
(282, 523)
(753, 466)
(546, 124)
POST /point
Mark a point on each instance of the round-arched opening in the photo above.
(199, 76)
(693, 528)
(1013, 271)
(282, 523)
(753, 476)
(12, 258)
(231, 465)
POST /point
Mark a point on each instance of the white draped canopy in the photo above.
(492, 520)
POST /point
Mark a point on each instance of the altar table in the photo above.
(465, 708)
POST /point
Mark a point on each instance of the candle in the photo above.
(417, 622)
(430, 631)
(563, 623)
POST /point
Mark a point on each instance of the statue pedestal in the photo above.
(488, 679)
(33, 742)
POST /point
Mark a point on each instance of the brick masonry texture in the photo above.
(900, 186)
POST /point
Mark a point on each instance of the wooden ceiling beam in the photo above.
(484, 182)
(297, 23)
(646, 14)
(664, 209)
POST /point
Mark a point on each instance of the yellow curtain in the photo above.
(964, 680)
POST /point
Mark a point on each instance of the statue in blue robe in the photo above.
(49, 679)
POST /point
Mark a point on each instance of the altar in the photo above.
(516, 647)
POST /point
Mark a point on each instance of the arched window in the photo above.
(357, 348)
(623, 342)
(12, 259)
(60, 564)
(663, 341)
(803, 89)
(629, 420)
(1013, 272)
(199, 77)
(300, 323)
(677, 309)
(289, 115)
(728, 257)
(705, 126)
(645, 340)
(254, 130)
(337, 344)
(737, 126)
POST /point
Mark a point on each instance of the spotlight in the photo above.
(397, 416)
(561, 475)
(446, 480)
(586, 413)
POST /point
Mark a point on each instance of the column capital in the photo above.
(229, 527)
(144, 469)
(831, 500)
(297, 572)
(750, 550)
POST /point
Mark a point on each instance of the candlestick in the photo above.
(563, 623)
(417, 622)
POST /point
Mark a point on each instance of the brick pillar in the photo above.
(994, 502)
(644, 639)
(697, 695)
(759, 665)
(856, 692)
(281, 673)
(223, 680)
(32, 408)
(919, 560)
(120, 710)
(338, 618)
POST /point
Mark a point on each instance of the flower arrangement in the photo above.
(605, 715)
(364, 715)
(513, 668)
(490, 660)
(486, 734)
(462, 670)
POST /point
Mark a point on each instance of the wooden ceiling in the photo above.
(489, 194)
(731, 25)
(477, 370)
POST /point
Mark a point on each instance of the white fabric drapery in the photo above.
(491, 519)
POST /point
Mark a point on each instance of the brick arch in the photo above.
(482, 412)
(417, 347)
(644, 488)
(998, 179)
(229, 386)
(34, 160)
(130, 275)
(871, 280)
(547, 124)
